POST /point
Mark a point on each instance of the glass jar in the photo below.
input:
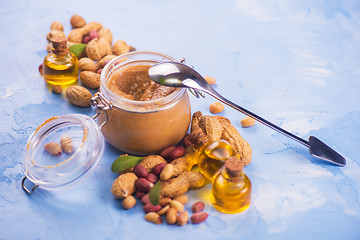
(54, 172)
(141, 127)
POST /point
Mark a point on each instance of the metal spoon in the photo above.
(176, 74)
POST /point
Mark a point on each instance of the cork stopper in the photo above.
(198, 138)
(59, 44)
(234, 166)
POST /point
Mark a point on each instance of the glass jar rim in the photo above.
(132, 105)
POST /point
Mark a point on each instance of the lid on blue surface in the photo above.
(51, 170)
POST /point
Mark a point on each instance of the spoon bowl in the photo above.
(175, 74)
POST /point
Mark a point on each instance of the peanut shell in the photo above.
(174, 187)
(97, 48)
(56, 89)
(78, 96)
(77, 21)
(181, 165)
(149, 162)
(86, 64)
(106, 34)
(211, 127)
(195, 120)
(75, 35)
(57, 26)
(195, 179)
(102, 62)
(90, 79)
(90, 26)
(124, 185)
(230, 134)
(54, 33)
(120, 47)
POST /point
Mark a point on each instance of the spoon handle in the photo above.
(216, 95)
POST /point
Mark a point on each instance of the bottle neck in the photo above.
(237, 177)
(59, 52)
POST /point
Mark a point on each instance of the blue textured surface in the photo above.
(294, 63)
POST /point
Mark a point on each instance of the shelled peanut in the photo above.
(56, 149)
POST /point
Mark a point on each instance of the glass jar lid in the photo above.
(56, 170)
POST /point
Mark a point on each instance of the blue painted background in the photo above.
(296, 63)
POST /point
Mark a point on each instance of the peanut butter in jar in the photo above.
(146, 117)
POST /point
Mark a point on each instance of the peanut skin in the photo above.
(199, 217)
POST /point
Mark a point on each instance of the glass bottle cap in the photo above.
(51, 172)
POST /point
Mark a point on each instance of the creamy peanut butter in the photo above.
(157, 116)
(134, 83)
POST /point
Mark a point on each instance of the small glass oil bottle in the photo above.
(212, 157)
(231, 188)
(209, 155)
(60, 66)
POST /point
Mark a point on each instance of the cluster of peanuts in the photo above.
(98, 52)
(56, 149)
(174, 211)
(172, 208)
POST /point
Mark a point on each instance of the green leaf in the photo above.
(154, 194)
(125, 162)
(78, 49)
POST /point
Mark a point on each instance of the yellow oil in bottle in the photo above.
(61, 70)
(60, 67)
(231, 192)
(212, 157)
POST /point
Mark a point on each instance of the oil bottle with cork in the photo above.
(231, 188)
(210, 155)
(60, 66)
